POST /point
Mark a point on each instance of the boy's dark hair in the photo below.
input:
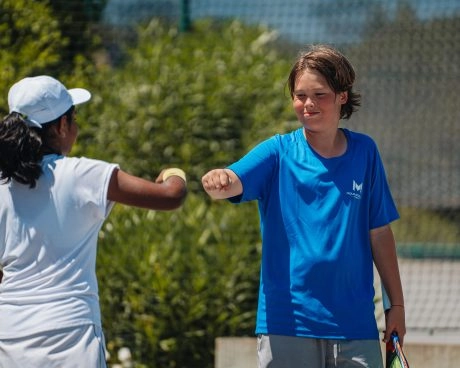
(22, 148)
(337, 70)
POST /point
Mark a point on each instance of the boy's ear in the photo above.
(343, 97)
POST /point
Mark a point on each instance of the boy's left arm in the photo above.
(386, 262)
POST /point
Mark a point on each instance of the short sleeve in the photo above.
(256, 170)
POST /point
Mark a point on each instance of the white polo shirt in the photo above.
(48, 239)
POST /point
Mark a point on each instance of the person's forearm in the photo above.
(160, 195)
(386, 262)
(385, 259)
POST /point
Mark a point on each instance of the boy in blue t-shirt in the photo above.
(325, 209)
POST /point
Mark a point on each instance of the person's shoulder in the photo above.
(360, 138)
(290, 137)
(84, 165)
(69, 162)
(279, 142)
(82, 160)
(282, 142)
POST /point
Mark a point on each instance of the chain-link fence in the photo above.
(407, 57)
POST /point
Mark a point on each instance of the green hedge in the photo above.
(171, 282)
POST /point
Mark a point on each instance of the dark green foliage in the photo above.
(170, 283)
(78, 24)
(191, 99)
(30, 43)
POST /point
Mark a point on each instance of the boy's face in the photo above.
(316, 105)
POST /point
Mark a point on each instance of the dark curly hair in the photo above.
(20, 151)
(335, 67)
(22, 148)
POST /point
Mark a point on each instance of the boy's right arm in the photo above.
(222, 184)
(386, 262)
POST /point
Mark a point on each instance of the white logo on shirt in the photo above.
(357, 190)
(357, 187)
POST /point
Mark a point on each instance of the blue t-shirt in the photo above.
(316, 213)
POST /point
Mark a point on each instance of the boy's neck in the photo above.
(327, 145)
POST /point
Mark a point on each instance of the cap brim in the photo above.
(32, 123)
(79, 95)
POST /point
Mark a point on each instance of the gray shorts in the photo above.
(74, 347)
(275, 351)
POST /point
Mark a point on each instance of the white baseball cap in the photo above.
(43, 99)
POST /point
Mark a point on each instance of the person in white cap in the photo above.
(51, 210)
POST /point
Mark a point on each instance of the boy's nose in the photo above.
(309, 102)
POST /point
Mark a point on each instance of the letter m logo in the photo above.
(357, 187)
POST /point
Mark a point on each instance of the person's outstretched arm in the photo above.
(168, 192)
(222, 184)
(386, 262)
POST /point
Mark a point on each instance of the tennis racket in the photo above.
(395, 357)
